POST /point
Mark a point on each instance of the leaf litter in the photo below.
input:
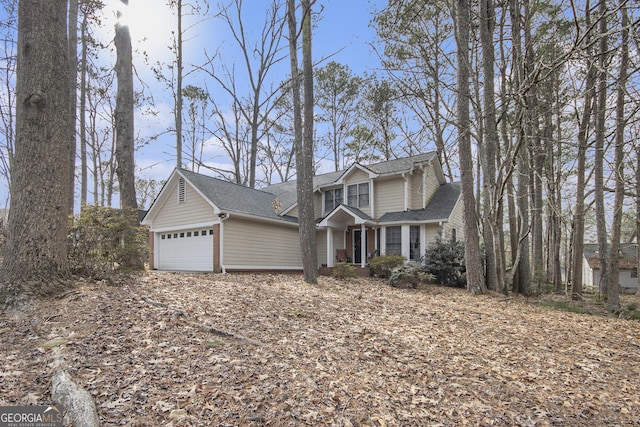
(178, 349)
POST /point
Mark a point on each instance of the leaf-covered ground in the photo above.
(340, 353)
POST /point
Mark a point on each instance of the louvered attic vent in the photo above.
(182, 191)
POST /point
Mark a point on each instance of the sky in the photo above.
(342, 33)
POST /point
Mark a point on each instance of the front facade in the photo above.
(199, 223)
(628, 264)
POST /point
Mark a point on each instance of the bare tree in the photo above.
(303, 142)
(252, 109)
(36, 255)
(475, 277)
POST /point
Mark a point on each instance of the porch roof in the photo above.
(345, 214)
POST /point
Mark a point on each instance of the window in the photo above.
(168, 236)
(332, 198)
(195, 234)
(188, 234)
(182, 191)
(414, 243)
(162, 237)
(211, 232)
(453, 235)
(358, 195)
(175, 235)
(181, 234)
(394, 241)
(203, 233)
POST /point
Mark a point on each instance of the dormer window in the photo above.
(358, 195)
(182, 191)
(332, 198)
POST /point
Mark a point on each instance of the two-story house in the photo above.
(200, 223)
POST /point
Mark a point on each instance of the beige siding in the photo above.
(321, 244)
(318, 204)
(194, 210)
(389, 196)
(456, 221)
(356, 177)
(416, 195)
(432, 234)
(432, 183)
(250, 244)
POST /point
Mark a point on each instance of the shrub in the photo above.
(445, 261)
(105, 240)
(342, 271)
(409, 276)
(381, 266)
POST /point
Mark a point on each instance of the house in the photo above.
(200, 223)
(628, 277)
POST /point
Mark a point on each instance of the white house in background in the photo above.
(200, 223)
(628, 267)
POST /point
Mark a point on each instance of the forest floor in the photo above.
(343, 353)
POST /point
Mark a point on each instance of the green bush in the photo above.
(445, 261)
(381, 266)
(342, 270)
(105, 240)
(409, 276)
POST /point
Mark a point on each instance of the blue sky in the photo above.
(343, 34)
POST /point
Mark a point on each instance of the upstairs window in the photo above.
(332, 198)
(358, 195)
(182, 191)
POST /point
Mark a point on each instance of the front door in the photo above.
(357, 246)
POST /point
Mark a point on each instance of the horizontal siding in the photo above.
(432, 183)
(456, 221)
(255, 244)
(415, 191)
(389, 196)
(432, 232)
(194, 210)
(356, 177)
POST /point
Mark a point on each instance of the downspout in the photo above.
(223, 217)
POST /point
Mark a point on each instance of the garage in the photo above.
(188, 250)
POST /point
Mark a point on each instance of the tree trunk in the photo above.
(178, 106)
(475, 277)
(491, 141)
(304, 137)
(124, 117)
(83, 108)
(598, 166)
(579, 212)
(36, 247)
(73, 79)
(613, 297)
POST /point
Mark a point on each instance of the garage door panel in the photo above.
(189, 250)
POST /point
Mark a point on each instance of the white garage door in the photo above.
(190, 250)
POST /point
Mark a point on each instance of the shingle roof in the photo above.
(439, 208)
(628, 255)
(234, 197)
(286, 191)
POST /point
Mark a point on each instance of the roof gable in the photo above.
(439, 208)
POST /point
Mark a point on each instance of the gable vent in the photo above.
(182, 191)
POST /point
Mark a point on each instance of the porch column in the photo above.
(330, 249)
(363, 246)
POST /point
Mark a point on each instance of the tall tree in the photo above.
(598, 166)
(303, 143)
(337, 91)
(613, 297)
(36, 254)
(178, 92)
(475, 277)
(124, 117)
(73, 102)
(253, 106)
(7, 102)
